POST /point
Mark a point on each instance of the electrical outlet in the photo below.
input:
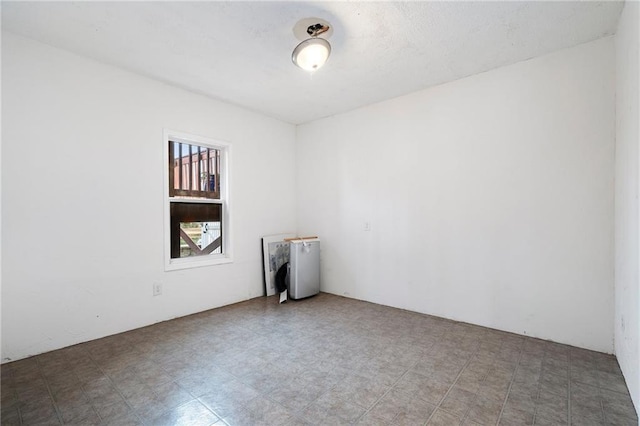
(157, 289)
(367, 226)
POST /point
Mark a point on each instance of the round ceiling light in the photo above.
(313, 52)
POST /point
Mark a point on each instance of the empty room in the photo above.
(464, 177)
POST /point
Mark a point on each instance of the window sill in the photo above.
(189, 263)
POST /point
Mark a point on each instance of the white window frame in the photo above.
(225, 183)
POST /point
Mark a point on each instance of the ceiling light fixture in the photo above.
(313, 52)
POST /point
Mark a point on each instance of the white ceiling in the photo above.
(240, 52)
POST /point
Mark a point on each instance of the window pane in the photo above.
(196, 229)
(202, 172)
(202, 238)
(184, 161)
(175, 160)
(194, 171)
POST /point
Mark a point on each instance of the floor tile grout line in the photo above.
(116, 389)
(513, 379)
(454, 383)
(535, 413)
(326, 391)
(17, 399)
(391, 387)
(385, 394)
(476, 395)
(46, 382)
(210, 409)
(194, 397)
(268, 396)
(19, 408)
(604, 412)
(569, 389)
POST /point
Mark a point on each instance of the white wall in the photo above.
(627, 300)
(490, 198)
(82, 198)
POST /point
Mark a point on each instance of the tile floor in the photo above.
(326, 360)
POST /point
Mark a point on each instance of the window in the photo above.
(197, 201)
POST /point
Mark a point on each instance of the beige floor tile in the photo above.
(326, 360)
